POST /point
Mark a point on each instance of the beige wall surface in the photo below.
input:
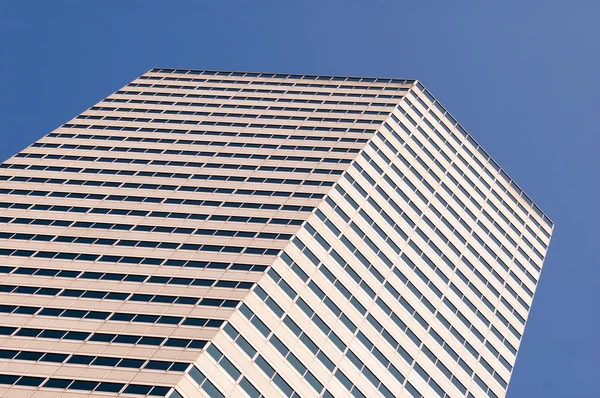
(204, 233)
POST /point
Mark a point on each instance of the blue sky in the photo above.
(522, 77)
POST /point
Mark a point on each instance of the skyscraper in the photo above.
(224, 234)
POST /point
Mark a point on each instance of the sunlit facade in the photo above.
(223, 234)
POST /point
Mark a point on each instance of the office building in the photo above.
(223, 234)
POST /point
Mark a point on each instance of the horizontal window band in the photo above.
(304, 79)
(173, 214)
(230, 107)
(242, 134)
(133, 198)
(147, 174)
(139, 227)
(136, 278)
(260, 115)
(217, 89)
(265, 87)
(116, 97)
(230, 124)
(55, 357)
(212, 154)
(102, 337)
(167, 187)
(110, 316)
(132, 260)
(266, 95)
(130, 243)
(118, 296)
(153, 162)
(84, 385)
(332, 148)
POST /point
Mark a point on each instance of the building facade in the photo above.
(223, 234)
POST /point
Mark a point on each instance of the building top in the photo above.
(323, 78)
(511, 185)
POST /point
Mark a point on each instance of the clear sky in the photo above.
(521, 76)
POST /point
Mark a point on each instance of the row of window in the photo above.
(231, 134)
(447, 241)
(129, 243)
(273, 116)
(427, 304)
(442, 169)
(165, 214)
(156, 174)
(156, 162)
(360, 281)
(401, 324)
(473, 187)
(325, 329)
(331, 335)
(487, 248)
(271, 126)
(262, 363)
(487, 157)
(171, 262)
(386, 309)
(499, 211)
(203, 382)
(102, 337)
(220, 89)
(449, 119)
(178, 163)
(110, 316)
(486, 283)
(191, 72)
(343, 290)
(233, 372)
(472, 351)
(84, 385)
(226, 105)
(455, 182)
(164, 187)
(196, 153)
(58, 358)
(267, 333)
(131, 227)
(412, 288)
(280, 76)
(497, 196)
(463, 190)
(119, 296)
(461, 239)
(227, 155)
(302, 370)
(440, 273)
(117, 277)
(233, 144)
(496, 332)
(379, 277)
(139, 199)
(429, 204)
(230, 100)
(352, 327)
(244, 134)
